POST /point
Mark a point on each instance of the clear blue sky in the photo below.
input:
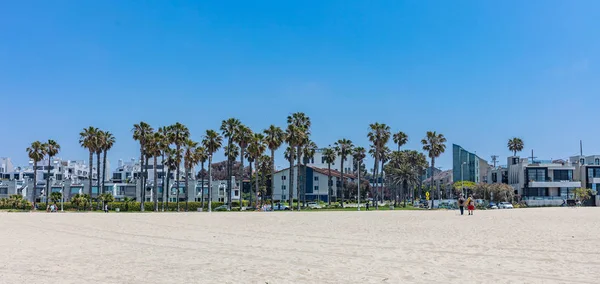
(479, 72)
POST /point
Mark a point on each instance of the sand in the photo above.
(546, 245)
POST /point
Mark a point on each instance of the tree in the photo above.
(51, 148)
(202, 157)
(105, 198)
(231, 153)
(400, 139)
(256, 148)
(141, 133)
(308, 152)
(292, 136)
(358, 155)
(343, 147)
(582, 194)
(171, 164)
(109, 141)
(229, 129)
(290, 155)
(515, 145)
(212, 142)
(179, 135)
(403, 169)
(191, 159)
(301, 124)
(274, 137)
(55, 197)
(460, 186)
(36, 152)
(243, 138)
(379, 135)
(384, 155)
(88, 139)
(98, 149)
(153, 149)
(329, 157)
(433, 144)
(163, 136)
(501, 192)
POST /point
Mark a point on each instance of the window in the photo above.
(3, 190)
(283, 197)
(283, 186)
(560, 175)
(582, 161)
(563, 192)
(536, 174)
(316, 178)
(283, 178)
(316, 188)
(593, 172)
(494, 177)
(117, 176)
(537, 192)
(59, 177)
(597, 161)
(236, 193)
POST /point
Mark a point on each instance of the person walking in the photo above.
(461, 204)
(471, 205)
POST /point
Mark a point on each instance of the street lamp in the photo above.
(462, 180)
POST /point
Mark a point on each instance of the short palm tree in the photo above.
(343, 147)
(36, 152)
(515, 145)
(51, 148)
(274, 137)
(141, 133)
(329, 157)
(212, 142)
(179, 134)
(243, 138)
(229, 129)
(434, 145)
(256, 148)
(400, 139)
(88, 139)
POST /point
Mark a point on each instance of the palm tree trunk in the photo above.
(272, 176)
(163, 182)
(90, 171)
(104, 170)
(48, 181)
(382, 196)
(34, 183)
(242, 150)
(97, 178)
(155, 185)
(187, 187)
(329, 183)
(166, 190)
(177, 186)
(342, 182)
(255, 180)
(229, 176)
(376, 184)
(209, 183)
(304, 183)
(299, 180)
(141, 176)
(146, 180)
(202, 187)
(291, 182)
(257, 185)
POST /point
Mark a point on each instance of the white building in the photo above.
(318, 161)
(316, 183)
(6, 166)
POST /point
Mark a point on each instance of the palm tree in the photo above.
(164, 134)
(51, 148)
(400, 139)
(87, 139)
(290, 155)
(179, 134)
(308, 152)
(191, 159)
(515, 145)
(171, 164)
(109, 141)
(434, 145)
(99, 146)
(343, 147)
(274, 137)
(301, 122)
(379, 134)
(358, 155)
(256, 148)
(405, 167)
(153, 149)
(212, 142)
(141, 133)
(243, 138)
(202, 158)
(36, 152)
(231, 153)
(384, 155)
(229, 128)
(329, 157)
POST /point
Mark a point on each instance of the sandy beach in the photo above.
(546, 245)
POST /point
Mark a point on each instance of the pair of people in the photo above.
(470, 202)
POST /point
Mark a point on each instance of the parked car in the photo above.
(221, 208)
(313, 205)
(280, 206)
(493, 205)
(505, 205)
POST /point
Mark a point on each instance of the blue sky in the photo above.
(479, 72)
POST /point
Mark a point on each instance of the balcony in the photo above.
(595, 180)
(553, 183)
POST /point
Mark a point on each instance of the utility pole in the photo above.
(494, 160)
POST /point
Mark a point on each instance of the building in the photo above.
(442, 181)
(316, 183)
(6, 166)
(468, 166)
(318, 161)
(428, 172)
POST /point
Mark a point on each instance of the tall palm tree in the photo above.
(231, 153)
(243, 138)
(51, 148)
(301, 122)
(515, 145)
(358, 155)
(191, 157)
(87, 139)
(202, 158)
(384, 155)
(229, 129)
(153, 150)
(212, 142)
(256, 148)
(163, 134)
(343, 147)
(434, 145)
(99, 146)
(109, 142)
(400, 139)
(329, 157)
(290, 155)
(179, 134)
(141, 133)
(36, 152)
(274, 137)
(379, 134)
(171, 164)
(308, 152)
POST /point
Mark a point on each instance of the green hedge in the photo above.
(135, 206)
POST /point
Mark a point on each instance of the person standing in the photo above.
(471, 205)
(461, 204)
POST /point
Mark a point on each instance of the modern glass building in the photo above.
(468, 166)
